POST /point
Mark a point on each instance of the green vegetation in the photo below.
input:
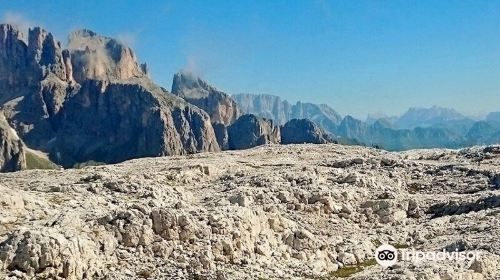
(249, 164)
(33, 161)
(348, 141)
(376, 242)
(88, 163)
(401, 246)
(347, 271)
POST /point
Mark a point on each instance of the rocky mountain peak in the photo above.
(282, 111)
(250, 130)
(46, 53)
(427, 116)
(493, 117)
(9, 32)
(39, 40)
(40, 55)
(218, 104)
(92, 101)
(13, 57)
(299, 131)
(101, 58)
(24, 63)
(186, 83)
(83, 33)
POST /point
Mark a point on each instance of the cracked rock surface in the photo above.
(272, 212)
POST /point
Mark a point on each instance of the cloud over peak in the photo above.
(18, 20)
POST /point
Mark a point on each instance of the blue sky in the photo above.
(359, 57)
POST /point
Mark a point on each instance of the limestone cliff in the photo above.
(101, 58)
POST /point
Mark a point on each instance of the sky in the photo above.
(359, 57)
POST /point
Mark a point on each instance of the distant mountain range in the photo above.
(434, 127)
(427, 117)
(493, 117)
(282, 111)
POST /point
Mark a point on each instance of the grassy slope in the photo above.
(34, 161)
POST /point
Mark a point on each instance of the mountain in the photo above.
(299, 131)
(351, 127)
(493, 117)
(389, 120)
(219, 105)
(484, 133)
(234, 131)
(250, 130)
(101, 58)
(423, 117)
(92, 101)
(382, 134)
(273, 107)
(266, 106)
(433, 127)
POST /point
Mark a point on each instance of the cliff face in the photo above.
(12, 152)
(219, 105)
(13, 62)
(35, 78)
(101, 58)
(23, 66)
(250, 130)
(116, 122)
(266, 106)
(92, 101)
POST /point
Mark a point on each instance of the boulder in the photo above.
(51, 254)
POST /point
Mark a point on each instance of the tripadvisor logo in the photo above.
(387, 256)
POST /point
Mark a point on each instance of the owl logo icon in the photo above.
(386, 255)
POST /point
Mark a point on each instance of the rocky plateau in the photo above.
(270, 212)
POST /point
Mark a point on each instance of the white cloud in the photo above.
(127, 38)
(192, 65)
(18, 20)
